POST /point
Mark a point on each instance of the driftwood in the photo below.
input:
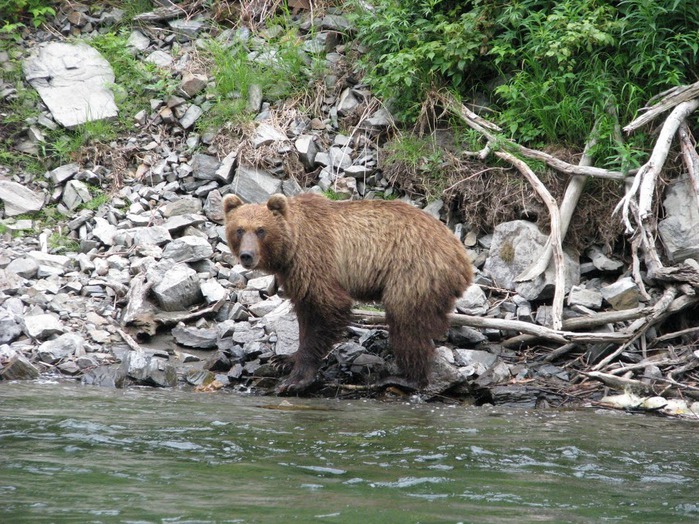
(637, 213)
(450, 103)
(646, 179)
(555, 238)
(570, 201)
(457, 320)
(655, 387)
(669, 99)
(143, 317)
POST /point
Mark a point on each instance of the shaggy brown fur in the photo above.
(327, 253)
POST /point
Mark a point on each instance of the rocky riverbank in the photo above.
(140, 287)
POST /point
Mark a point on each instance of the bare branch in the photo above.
(552, 205)
(671, 98)
(486, 129)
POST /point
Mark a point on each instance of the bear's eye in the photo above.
(240, 232)
(261, 232)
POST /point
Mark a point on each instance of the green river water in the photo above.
(71, 453)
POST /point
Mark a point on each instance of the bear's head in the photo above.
(258, 234)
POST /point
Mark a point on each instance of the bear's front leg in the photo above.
(319, 328)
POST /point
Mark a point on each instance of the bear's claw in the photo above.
(297, 382)
(282, 363)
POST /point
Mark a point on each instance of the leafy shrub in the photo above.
(277, 67)
(13, 12)
(550, 69)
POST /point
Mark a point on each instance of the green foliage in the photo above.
(100, 198)
(414, 44)
(550, 69)
(415, 153)
(278, 68)
(14, 12)
(63, 144)
(136, 81)
(331, 194)
(60, 243)
(418, 159)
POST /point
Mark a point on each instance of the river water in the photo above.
(71, 453)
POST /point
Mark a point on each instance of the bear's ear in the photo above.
(277, 204)
(230, 202)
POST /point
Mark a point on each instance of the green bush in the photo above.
(549, 69)
(14, 12)
(277, 67)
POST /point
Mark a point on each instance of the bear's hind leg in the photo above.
(411, 338)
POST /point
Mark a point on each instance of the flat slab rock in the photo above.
(73, 81)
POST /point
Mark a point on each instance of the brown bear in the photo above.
(326, 253)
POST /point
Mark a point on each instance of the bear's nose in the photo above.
(246, 258)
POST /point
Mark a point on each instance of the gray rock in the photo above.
(108, 376)
(381, 118)
(254, 185)
(307, 149)
(178, 223)
(246, 333)
(265, 307)
(202, 338)
(15, 366)
(213, 291)
(347, 352)
(10, 283)
(679, 231)
(584, 297)
(150, 370)
(286, 328)
(74, 82)
(42, 326)
(340, 157)
(266, 134)
(602, 261)
(254, 98)
(479, 361)
(466, 336)
(473, 301)
(265, 284)
(191, 115)
(138, 40)
(337, 23)
(622, 294)
(188, 249)
(224, 173)
(515, 246)
(192, 83)
(19, 199)
(47, 260)
(178, 289)
(358, 172)
(159, 58)
(10, 327)
(443, 374)
(66, 345)
(347, 102)
(62, 173)
(75, 194)
(104, 231)
(154, 235)
(434, 208)
(213, 206)
(182, 206)
(186, 29)
(25, 267)
(205, 167)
